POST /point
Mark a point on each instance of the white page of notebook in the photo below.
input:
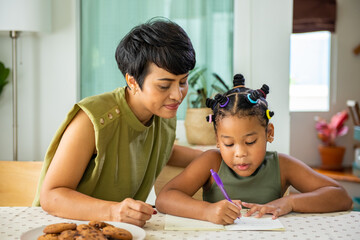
(252, 223)
(244, 223)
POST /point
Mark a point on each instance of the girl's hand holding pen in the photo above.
(223, 212)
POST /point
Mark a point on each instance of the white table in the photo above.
(342, 225)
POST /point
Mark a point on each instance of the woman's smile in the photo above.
(173, 106)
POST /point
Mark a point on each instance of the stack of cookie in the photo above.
(93, 230)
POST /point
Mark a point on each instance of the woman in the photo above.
(105, 157)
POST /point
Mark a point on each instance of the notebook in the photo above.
(265, 223)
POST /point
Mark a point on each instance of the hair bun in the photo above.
(222, 100)
(239, 80)
(210, 103)
(255, 95)
(265, 88)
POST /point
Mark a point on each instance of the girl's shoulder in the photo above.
(291, 166)
(209, 159)
(287, 160)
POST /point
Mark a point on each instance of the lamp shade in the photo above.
(25, 15)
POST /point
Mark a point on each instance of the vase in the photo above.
(331, 157)
(198, 130)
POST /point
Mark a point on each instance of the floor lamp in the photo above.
(22, 16)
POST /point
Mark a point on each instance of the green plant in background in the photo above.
(4, 73)
(198, 83)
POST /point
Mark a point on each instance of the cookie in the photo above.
(68, 235)
(98, 224)
(117, 233)
(90, 235)
(84, 227)
(49, 236)
(59, 227)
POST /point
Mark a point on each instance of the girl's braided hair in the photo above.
(241, 102)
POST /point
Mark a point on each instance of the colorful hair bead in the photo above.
(222, 100)
(269, 114)
(250, 100)
(210, 118)
(224, 105)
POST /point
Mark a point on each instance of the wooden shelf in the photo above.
(341, 175)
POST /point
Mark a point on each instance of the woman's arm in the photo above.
(58, 194)
(181, 156)
(318, 193)
(176, 196)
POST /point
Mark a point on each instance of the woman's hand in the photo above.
(223, 212)
(132, 211)
(277, 208)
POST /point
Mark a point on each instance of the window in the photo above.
(310, 71)
(209, 24)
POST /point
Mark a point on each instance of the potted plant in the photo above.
(4, 73)
(198, 132)
(331, 154)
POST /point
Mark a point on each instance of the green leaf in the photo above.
(217, 77)
(4, 73)
(195, 75)
(218, 89)
(198, 86)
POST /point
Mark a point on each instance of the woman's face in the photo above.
(242, 142)
(162, 92)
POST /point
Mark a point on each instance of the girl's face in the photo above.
(161, 93)
(242, 142)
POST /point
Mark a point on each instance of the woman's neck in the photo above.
(137, 108)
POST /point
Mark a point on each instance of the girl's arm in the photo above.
(318, 193)
(58, 194)
(176, 196)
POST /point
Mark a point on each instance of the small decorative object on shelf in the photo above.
(357, 133)
(331, 154)
(356, 163)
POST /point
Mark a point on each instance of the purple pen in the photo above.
(220, 184)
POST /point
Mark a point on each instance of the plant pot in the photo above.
(331, 157)
(198, 130)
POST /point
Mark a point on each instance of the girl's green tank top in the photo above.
(263, 186)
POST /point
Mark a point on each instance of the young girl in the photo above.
(252, 177)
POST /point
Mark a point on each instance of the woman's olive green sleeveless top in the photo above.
(129, 155)
(263, 186)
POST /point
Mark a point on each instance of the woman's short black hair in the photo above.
(159, 41)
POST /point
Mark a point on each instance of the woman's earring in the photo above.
(134, 91)
(270, 139)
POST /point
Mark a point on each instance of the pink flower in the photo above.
(328, 132)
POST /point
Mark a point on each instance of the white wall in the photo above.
(345, 84)
(47, 84)
(261, 54)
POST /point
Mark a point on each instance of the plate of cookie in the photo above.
(86, 230)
